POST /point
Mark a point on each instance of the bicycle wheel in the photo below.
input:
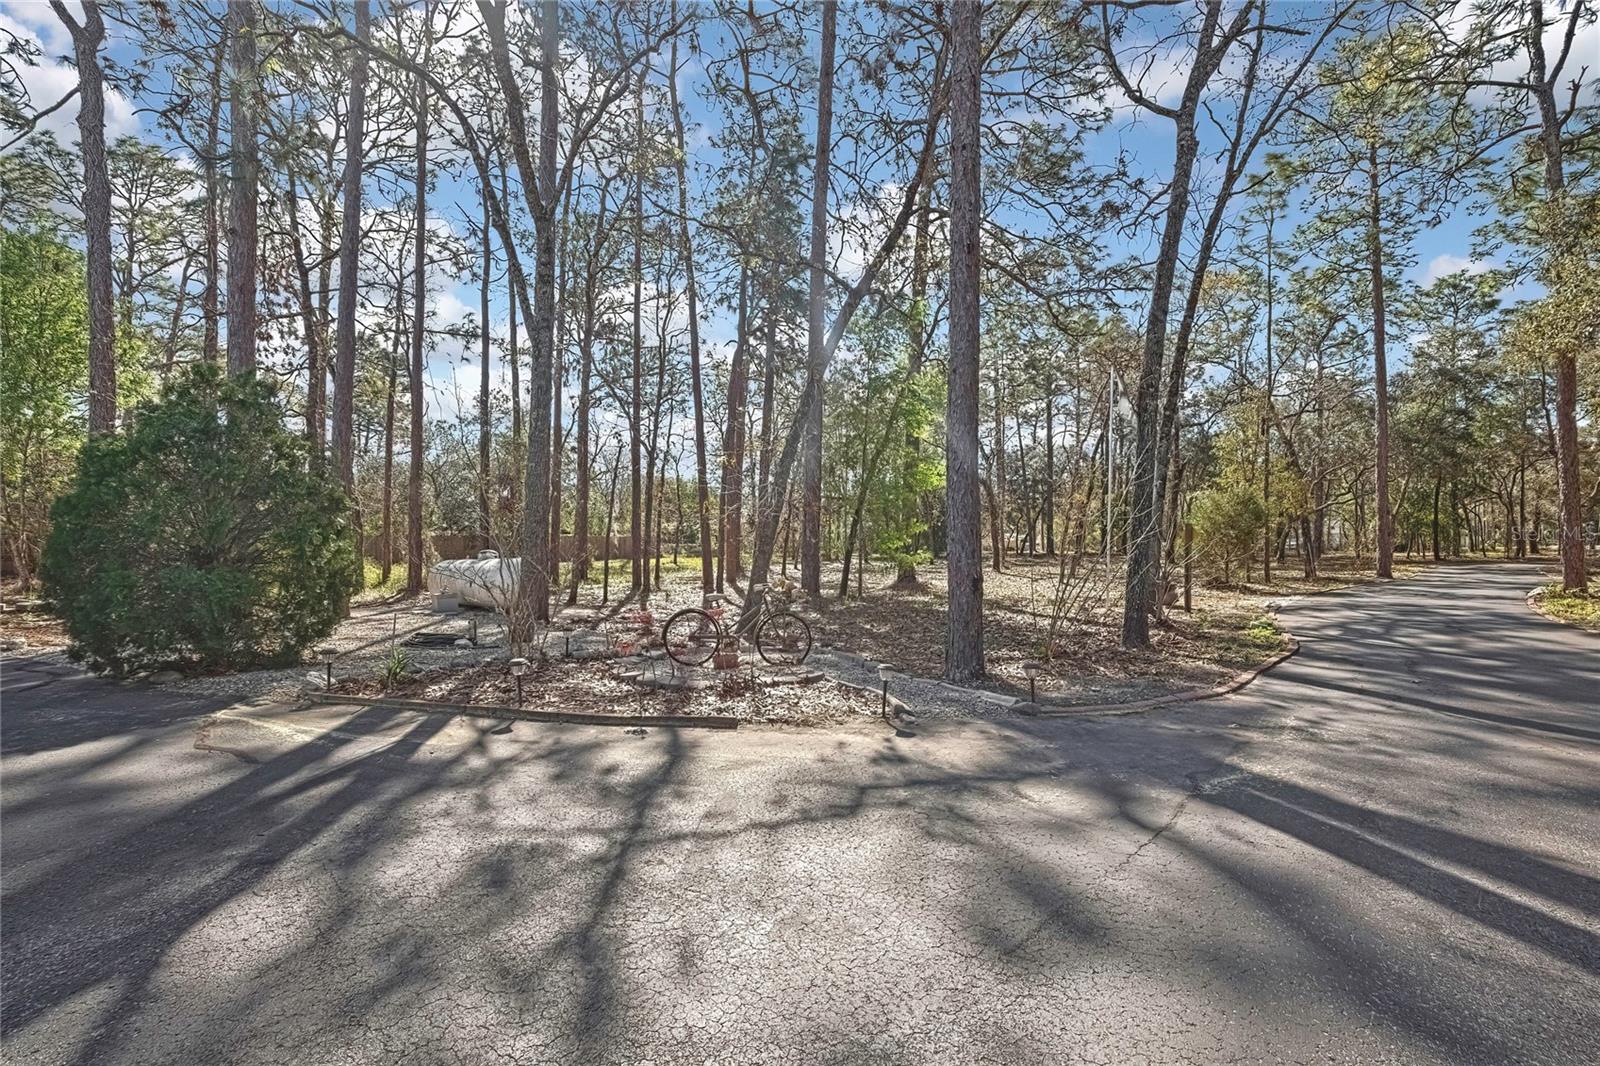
(784, 639)
(691, 637)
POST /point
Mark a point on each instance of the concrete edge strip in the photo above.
(516, 714)
(897, 705)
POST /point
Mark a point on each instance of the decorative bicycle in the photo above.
(693, 635)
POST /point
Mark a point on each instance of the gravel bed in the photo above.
(925, 698)
(575, 685)
(362, 642)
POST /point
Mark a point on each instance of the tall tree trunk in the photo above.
(316, 359)
(769, 378)
(537, 566)
(416, 560)
(1144, 521)
(702, 490)
(1148, 462)
(511, 335)
(652, 449)
(344, 378)
(816, 312)
(1522, 506)
(213, 287)
(180, 304)
(485, 475)
(387, 519)
(558, 381)
(579, 568)
(1380, 366)
(86, 40)
(611, 520)
(964, 639)
(539, 187)
(1437, 485)
(325, 287)
(997, 503)
(661, 497)
(732, 517)
(906, 570)
(1049, 469)
(1266, 424)
(578, 565)
(636, 421)
(244, 177)
(1569, 503)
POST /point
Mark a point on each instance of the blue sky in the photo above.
(1145, 137)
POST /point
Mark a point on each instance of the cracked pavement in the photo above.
(1386, 850)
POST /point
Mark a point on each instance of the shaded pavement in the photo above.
(1384, 851)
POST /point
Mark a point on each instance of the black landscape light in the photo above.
(518, 668)
(885, 671)
(1033, 670)
(326, 654)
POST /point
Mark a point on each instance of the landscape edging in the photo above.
(1532, 599)
(1221, 688)
(519, 714)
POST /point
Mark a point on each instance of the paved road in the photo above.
(1385, 851)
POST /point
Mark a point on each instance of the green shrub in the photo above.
(1229, 520)
(197, 537)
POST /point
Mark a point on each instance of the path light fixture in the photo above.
(885, 671)
(1033, 670)
(325, 655)
(518, 668)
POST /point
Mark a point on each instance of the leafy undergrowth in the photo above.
(1581, 609)
(594, 687)
(373, 585)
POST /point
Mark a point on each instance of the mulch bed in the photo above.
(39, 628)
(594, 687)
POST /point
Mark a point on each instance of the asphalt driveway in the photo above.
(1387, 850)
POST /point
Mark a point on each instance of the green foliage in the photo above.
(393, 670)
(1228, 522)
(372, 582)
(43, 375)
(1263, 632)
(198, 537)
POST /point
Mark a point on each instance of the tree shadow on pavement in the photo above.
(126, 905)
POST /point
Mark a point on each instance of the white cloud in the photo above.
(1442, 265)
(52, 78)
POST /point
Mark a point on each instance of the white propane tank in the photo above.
(486, 581)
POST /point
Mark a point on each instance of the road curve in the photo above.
(1386, 850)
